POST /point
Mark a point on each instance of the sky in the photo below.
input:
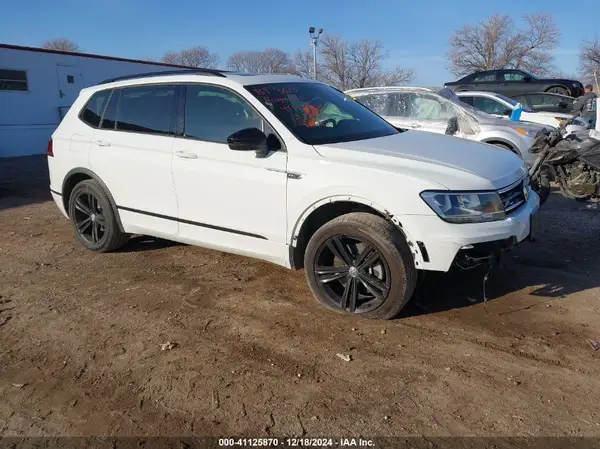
(415, 33)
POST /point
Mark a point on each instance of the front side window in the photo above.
(13, 80)
(428, 107)
(319, 114)
(92, 113)
(147, 109)
(213, 113)
(485, 77)
(378, 103)
(513, 76)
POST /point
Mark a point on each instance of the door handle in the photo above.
(102, 143)
(186, 155)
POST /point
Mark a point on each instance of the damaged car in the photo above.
(286, 170)
(424, 109)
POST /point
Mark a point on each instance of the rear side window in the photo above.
(92, 113)
(110, 114)
(147, 109)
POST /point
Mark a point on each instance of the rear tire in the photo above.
(93, 218)
(360, 264)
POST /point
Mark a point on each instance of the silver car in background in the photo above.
(427, 110)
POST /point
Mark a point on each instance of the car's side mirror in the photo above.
(508, 112)
(452, 127)
(563, 105)
(253, 139)
(527, 79)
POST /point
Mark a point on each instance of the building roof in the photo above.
(87, 55)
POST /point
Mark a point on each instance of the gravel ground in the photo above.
(254, 355)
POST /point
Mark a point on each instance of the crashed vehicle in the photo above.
(287, 170)
(500, 106)
(572, 161)
(426, 110)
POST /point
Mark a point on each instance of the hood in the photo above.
(451, 162)
(490, 120)
(558, 81)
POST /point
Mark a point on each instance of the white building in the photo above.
(37, 86)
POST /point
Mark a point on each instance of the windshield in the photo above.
(533, 77)
(318, 114)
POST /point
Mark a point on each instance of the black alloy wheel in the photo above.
(352, 273)
(89, 219)
(360, 264)
(94, 219)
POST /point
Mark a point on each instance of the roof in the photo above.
(387, 89)
(87, 55)
(198, 74)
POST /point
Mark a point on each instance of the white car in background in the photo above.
(501, 106)
(424, 109)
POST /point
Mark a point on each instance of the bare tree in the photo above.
(497, 43)
(348, 65)
(271, 60)
(303, 62)
(192, 57)
(589, 59)
(62, 45)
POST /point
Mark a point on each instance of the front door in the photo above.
(226, 197)
(70, 82)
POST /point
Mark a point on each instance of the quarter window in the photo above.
(147, 109)
(13, 80)
(213, 114)
(92, 112)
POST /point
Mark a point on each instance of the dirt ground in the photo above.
(81, 337)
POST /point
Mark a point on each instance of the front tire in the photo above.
(541, 185)
(360, 264)
(93, 218)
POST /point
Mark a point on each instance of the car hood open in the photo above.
(451, 162)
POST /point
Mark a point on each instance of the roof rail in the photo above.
(191, 70)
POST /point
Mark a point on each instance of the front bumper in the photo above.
(441, 244)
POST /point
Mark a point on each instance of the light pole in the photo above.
(314, 39)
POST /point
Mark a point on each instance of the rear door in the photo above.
(132, 153)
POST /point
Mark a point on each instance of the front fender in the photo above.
(384, 211)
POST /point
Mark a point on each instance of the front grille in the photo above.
(513, 197)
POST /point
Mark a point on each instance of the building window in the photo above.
(13, 80)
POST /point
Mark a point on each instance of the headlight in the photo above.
(465, 207)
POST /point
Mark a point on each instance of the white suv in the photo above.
(287, 170)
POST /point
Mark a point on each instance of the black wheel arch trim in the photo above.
(95, 177)
(506, 142)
